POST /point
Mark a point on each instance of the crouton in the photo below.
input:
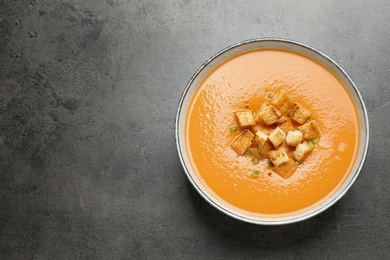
(265, 129)
(245, 118)
(263, 151)
(242, 142)
(289, 149)
(302, 151)
(260, 138)
(294, 138)
(257, 115)
(254, 152)
(286, 169)
(282, 101)
(277, 136)
(299, 113)
(310, 130)
(285, 124)
(269, 115)
(277, 157)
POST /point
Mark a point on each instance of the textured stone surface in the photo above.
(88, 96)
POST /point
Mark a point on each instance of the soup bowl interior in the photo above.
(262, 44)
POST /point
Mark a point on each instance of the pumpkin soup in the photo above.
(221, 111)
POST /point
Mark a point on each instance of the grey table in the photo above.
(88, 96)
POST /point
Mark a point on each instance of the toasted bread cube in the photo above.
(285, 124)
(242, 142)
(277, 137)
(254, 152)
(289, 149)
(294, 138)
(286, 169)
(310, 130)
(245, 118)
(263, 151)
(299, 113)
(265, 129)
(269, 115)
(282, 101)
(257, 116)
(260, 138)
(277, 157)
(302, 151)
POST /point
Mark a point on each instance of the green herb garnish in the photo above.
(297, 163)
(255, 160)
(248, 153)
(233, 128)
(255, 174)
(313, 142)
(270, 95)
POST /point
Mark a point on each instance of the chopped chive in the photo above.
(297, 163)
(313, 142)
(248, 153)
(255, 160)
(270, 95)
(255, 174)
(233, 128)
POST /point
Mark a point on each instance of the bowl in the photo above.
(285, 45)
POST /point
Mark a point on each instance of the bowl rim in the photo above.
(292, 218)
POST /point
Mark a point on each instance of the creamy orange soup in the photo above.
(243, 82)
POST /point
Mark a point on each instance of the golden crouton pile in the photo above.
(281, 131)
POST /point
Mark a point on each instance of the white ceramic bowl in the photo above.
(258, 44)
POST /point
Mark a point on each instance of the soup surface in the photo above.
(242, 83)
